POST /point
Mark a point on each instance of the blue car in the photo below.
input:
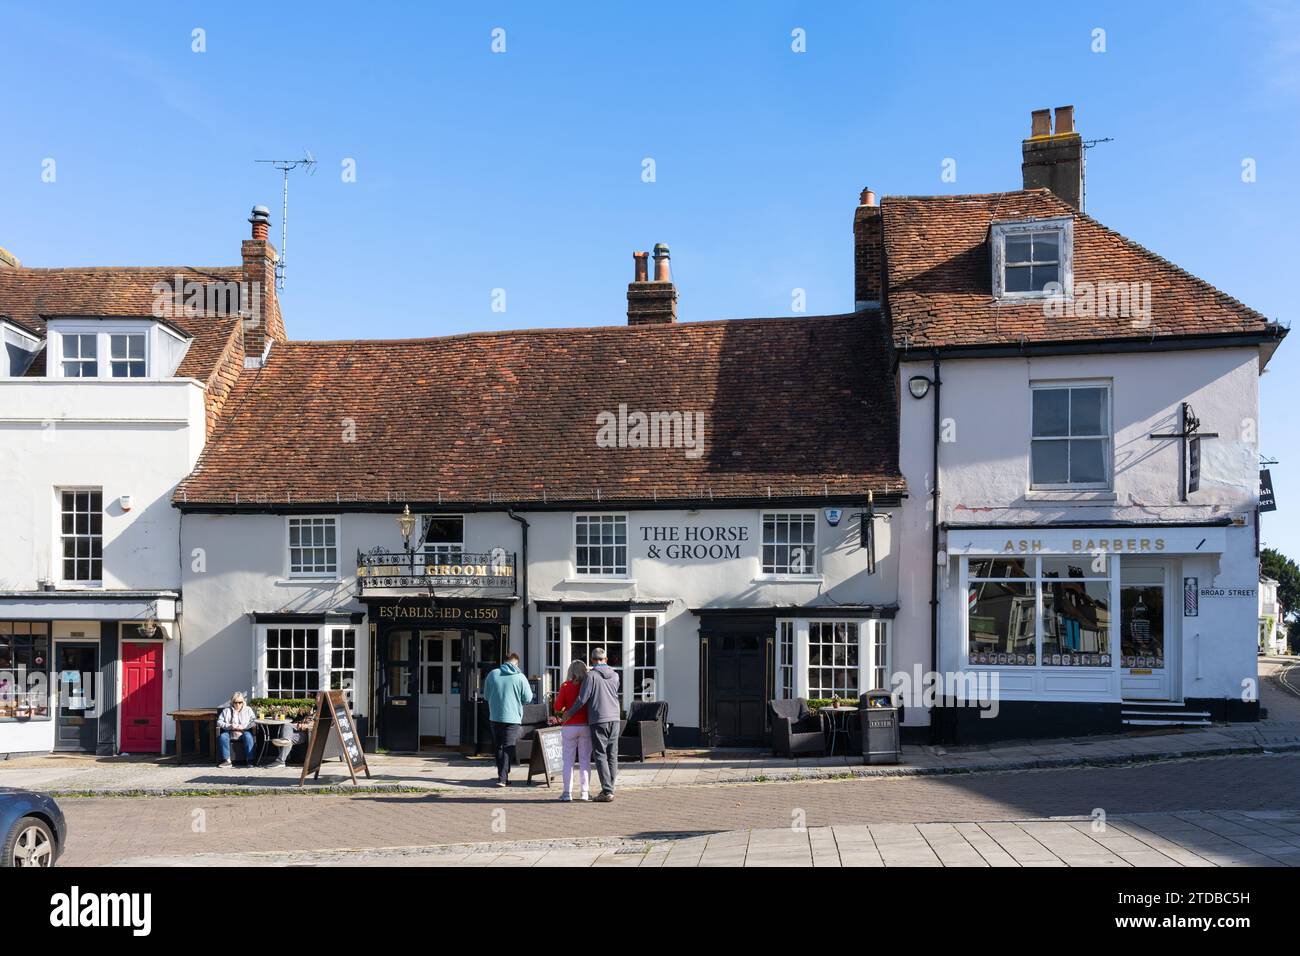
(32, 828)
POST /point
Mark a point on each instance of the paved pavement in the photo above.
(105, 830)
(1146, 839)
(1281, 732)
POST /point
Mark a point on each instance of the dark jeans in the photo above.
(504, 739)
(604, 753)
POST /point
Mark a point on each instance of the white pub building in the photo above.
(1024, 466)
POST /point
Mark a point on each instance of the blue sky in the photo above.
(522, 170)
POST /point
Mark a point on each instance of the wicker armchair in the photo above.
(795, 729)
(645, 730)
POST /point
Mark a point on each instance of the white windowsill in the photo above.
(1068, 494)
(599, 579)
(309, 581)
(788, 579)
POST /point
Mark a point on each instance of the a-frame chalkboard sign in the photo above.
(333, 711)
(548, 754)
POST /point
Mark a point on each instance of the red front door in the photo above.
(141, 698)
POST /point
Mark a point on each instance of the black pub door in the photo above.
(738, 664)
(399, 698)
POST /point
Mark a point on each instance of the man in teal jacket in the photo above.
(506, 690)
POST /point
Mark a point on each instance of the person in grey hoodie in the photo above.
(600, 695)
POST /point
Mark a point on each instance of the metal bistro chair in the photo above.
(645, 731)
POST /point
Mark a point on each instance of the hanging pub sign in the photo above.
(1266, 500)
(333, 713)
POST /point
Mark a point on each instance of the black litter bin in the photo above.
(879, 727)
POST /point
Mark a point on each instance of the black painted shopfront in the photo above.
(429, 661)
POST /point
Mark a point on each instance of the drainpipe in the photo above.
(934, 543)
(524, 575)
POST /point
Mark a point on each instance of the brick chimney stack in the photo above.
(262, 321)
(1054, 159)
(651, 302)
(868, 253)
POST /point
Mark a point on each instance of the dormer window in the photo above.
(1033, 259)
(113, 348)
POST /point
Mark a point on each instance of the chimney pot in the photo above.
(868, 197)
(1064, 119)
(641, 261)
(261, 220)
(1040, 123)
(662, 272)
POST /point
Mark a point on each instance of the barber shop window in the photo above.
(600, 544)
(1070, 447)
(1076, 611)
(313, 547)
(833, 659)
(24, 670)
(1000, 607)
(789, 543)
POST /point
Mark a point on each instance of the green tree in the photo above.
(1276, 565)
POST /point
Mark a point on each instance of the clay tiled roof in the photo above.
(793, 407)
(28, 296)
(940, 281)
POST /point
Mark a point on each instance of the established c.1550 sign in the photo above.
(694, 542)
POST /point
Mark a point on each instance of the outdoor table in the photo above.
(837, 726)
(195, 717)
(267, 725)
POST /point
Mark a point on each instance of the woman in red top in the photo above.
(576, 733)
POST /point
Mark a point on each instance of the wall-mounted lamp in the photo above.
(406, 525)
(919, 386)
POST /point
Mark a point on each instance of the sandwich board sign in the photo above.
(333, 719)
(548, 753)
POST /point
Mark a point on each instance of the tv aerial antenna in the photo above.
(1087, 145)
(286, 166)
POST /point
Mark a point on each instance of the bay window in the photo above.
(299, 660)
(833, 656)
(633, 646)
